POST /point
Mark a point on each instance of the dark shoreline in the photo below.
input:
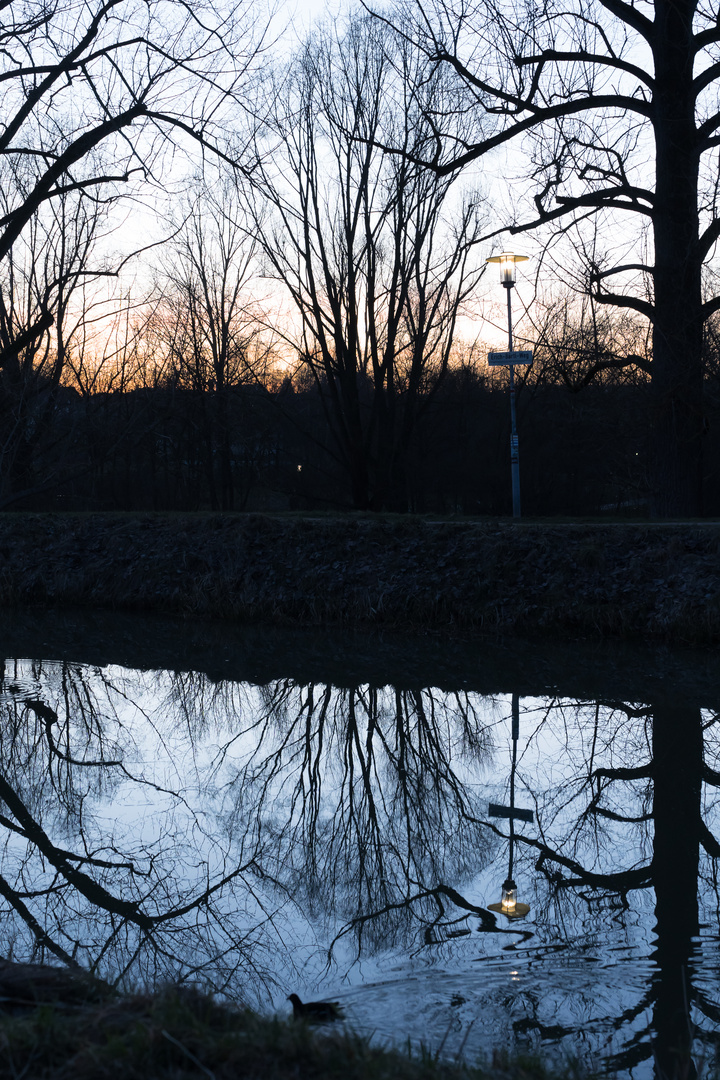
(657, 583)
(185, 1034)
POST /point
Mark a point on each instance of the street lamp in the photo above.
(508, 261)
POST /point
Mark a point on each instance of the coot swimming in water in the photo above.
(315, 1012)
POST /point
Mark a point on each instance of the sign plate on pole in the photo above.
(496, 359)
(510, 812)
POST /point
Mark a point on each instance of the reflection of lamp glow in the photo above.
(509, 904)
(509, 897)
(508, 900)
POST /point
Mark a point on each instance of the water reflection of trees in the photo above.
(363, 792)
(81, 880)
(375, 803)
(342, 801)
(623, 798)
(360, 806)
(380, 797)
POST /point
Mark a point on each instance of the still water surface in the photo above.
(268, 812)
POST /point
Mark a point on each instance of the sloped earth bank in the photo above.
(654, 582)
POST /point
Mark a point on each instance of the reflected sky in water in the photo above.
(333, 836)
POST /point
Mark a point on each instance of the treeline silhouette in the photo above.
(253, 448)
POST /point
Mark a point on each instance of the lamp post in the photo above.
(507, 261)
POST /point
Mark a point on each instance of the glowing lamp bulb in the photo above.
(508, 261)
(507, 268)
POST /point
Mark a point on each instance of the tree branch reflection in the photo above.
(104, 862)
(169, 825)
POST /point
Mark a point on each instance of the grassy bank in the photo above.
(655, 582)
(166, 1037)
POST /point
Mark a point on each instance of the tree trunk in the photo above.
(677, 815)
(677, 418)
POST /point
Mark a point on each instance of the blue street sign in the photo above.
(498, 359)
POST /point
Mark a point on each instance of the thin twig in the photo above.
(169, 1037)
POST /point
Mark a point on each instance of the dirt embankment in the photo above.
(655, 582)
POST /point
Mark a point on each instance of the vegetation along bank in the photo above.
(657, 582)
(190, 1037)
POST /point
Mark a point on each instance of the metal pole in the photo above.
(514, 448)
(515, 736)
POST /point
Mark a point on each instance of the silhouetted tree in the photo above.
(91, 97)
(204, 332)
(377, 256)
(616, 105)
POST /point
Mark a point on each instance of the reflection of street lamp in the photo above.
(507, 278)
(509, 896)
(509, 902)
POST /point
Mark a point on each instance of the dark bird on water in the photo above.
(316, 1012)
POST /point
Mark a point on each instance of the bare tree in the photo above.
(616, 103)
(90, 98)
(205, 326)
(377, 256)
(40, 280)
(577, 342)
(86, 89)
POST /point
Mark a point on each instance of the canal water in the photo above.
(266, 812)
